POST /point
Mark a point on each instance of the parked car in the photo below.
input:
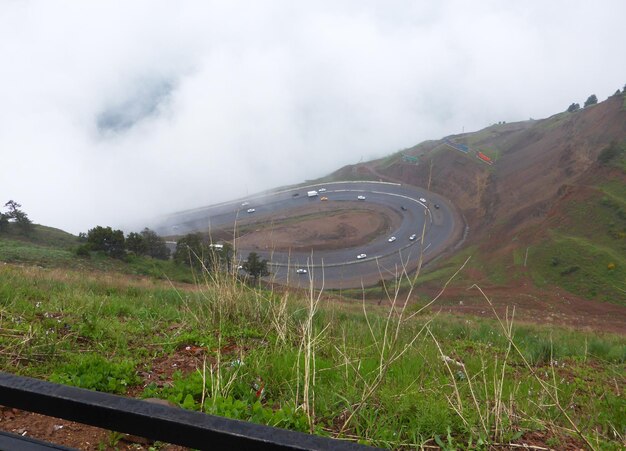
(245, 204)
(322, 190)
(323, 198)
(295, 194)
(422, 199)
(412, 237)
(361, 197)
(392, 239)
(251, 210)
(361, 256)
(436, 206)
(403, 208)
(301, 271)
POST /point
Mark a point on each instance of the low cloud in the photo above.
(115, 112)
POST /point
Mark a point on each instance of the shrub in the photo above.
(610, 153)
(83, 251)
(591, 100)
(573, 107)
(570, 270)
(105, 239)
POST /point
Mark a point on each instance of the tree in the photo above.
(573, 107)
(196, 250)
(155, 245)
(147, 242)
(192, 250)
(135, 243)
(591, 100)
(255, 266)
(4, 222)
(20, 218)
(105, 239)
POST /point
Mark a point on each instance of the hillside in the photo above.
(550, 209)
(392, 370)
(389, 376)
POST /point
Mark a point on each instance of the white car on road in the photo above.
(301, 271)
(251, 210)
(412, 237)
(361, 256)
(422, 200)
(361, 197)
(392, 239)
(321, 190)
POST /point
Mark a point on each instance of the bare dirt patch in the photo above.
(72, 434)
(320, 226)
(552, 305)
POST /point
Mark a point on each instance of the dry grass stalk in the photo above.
(307, 350)
(507, 328)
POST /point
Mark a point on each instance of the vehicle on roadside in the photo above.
(436, 206)
(361, 197)
(245, 204)
(323, 198)
(295, 194)
(311, 193)
(422, 199)
(301, 271)
(322, 190)
(251, 210)
(392, 239)
(361, 256)
(412, 237)
(403, 208)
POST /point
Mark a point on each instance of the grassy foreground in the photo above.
(382, 375)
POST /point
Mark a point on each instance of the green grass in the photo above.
(585, 254)
(587, 257)
(79, 328)
(580, 266)
(60, 254)
(615, 189)
(12, 250)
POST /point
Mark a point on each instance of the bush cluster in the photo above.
(114, 244)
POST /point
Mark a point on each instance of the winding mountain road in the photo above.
(340, 268)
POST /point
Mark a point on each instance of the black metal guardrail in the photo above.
(153, 421)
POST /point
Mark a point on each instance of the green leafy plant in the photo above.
(95, 372)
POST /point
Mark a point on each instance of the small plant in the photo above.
(450, 444)
(570, 270)
(95, 372)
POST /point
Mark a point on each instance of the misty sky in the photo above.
(112, 112)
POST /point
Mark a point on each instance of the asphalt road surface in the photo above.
(338, 268)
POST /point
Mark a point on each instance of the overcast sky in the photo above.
(112, 112)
